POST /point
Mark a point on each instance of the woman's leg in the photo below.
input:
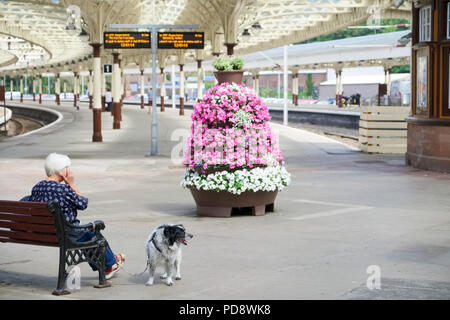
(110, 257)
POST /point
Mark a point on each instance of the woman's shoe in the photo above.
(111, 272)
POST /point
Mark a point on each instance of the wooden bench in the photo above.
(42, 224)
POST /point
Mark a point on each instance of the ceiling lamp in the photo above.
(246, 33)
(256, 28)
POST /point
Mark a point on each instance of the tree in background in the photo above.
(401, 69)
(350, 33)
(69, 84)
(309, 91)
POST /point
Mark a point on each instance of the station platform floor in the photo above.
(343, 213)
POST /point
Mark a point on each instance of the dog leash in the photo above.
(136, 274)
(153, 241)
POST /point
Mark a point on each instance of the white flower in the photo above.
(266, 179)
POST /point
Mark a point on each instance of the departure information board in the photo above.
(126, 40)
(181, 40)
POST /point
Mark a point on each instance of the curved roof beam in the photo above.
(7, 58)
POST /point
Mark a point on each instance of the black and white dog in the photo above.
(164, 249)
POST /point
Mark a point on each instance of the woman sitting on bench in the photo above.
(59, 185)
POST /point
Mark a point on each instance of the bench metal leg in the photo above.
(62, 275)
(102, 283)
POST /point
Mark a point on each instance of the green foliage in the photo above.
(350, 33)
(267, 92)
(225, 64)
(222, 64)
(309, 86)
(271, 93)
(45, 85)
(108, 83)
(209, 85)
(401, 69)
(237, 63)
(69, 84)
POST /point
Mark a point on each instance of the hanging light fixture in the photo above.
(246, 33)
(256, 28)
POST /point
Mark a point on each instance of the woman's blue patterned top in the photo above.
(69, 201)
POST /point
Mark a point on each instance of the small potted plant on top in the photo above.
(229, 70)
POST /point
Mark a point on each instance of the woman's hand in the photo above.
(69, 178)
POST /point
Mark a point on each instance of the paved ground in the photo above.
(345, 211)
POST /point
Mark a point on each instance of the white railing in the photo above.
(5, 115)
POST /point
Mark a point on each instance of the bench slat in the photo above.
(24, 218)
(27, 227)
(24, 204)
(43, 212)
(37, 243)
(49, 238)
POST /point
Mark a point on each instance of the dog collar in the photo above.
(154, 243)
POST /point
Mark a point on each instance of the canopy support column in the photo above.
(295, 87)
(40, 89)
(90, 89)
(339, 88)
(103, 91)
(173, 87)
(181, 60)
(65, 89)
(97, 94)
(199, 80)
(34, 87)
(387, 74)
(200, 56)
(57, 89)
(181, 90)
(75, 88)
(121, 86)
(21, 89)
(116, 91)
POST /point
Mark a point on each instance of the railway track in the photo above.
(18, 125)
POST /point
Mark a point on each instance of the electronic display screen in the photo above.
(181, 40)
(127, 40)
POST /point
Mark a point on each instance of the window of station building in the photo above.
(445, 89)
(425, 24)
(448, 20)
(422, 81)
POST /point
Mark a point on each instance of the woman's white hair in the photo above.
(55, 163)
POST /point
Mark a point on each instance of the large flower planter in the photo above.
(220, 204)
(232, 116)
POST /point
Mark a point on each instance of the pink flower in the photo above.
(218, 138)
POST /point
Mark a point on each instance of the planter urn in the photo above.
(213, 203)
(229, 76)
